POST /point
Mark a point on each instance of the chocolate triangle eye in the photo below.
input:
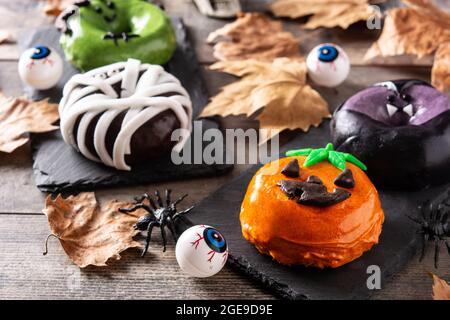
(345, 179)
(292, 169)
(314, 179)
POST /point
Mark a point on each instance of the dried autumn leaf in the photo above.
(279, 88)
(6, 37)
(441, 289)
(253, 36)
(91, 234)
(19, 116)
(418, 30)
(440, 74)
(55, 7)
(324, 13)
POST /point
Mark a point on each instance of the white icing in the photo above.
(142, 97)
(388, 84)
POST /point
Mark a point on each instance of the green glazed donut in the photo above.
(101, 32)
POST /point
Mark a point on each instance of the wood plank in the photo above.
(10, 84)
(355, 40)
(17, 17)
(26, 274)
(18, 193)
(414, 281)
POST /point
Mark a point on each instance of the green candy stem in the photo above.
(299, 152)
(336, 158)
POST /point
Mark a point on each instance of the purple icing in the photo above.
(400, 129)
(416, 103)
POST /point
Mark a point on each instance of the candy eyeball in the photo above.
(201, 251)
(328, 65)
(40, 67)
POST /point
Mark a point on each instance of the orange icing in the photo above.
(293, 233)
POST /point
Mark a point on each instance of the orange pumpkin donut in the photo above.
(314, 208)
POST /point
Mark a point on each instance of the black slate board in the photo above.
(397, 244)
(58, 168)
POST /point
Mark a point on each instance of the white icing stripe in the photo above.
(146, 91)
(130, 78)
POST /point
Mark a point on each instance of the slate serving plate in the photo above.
(397, 245)
(59, 168)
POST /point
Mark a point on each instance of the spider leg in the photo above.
(424, 208)
(447, 245)
(164, 239)
(444, 217)
(149, 236)
(440, 213)
(178, 214)
(136, 207)
(158, 199)
(171, 226)
(424, 246)
(179, 200)
(150, 200)
(138, 199)
(433, 213)
(168, 192)
(436, 252)
(413, 219)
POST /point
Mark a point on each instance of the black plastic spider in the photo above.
(434, 226)
(159, 215)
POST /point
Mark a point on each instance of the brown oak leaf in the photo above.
(441, 289)
(19, 116)
(440, 74)
(6, 36)
(55, 7)
(253, 36)
(418, 30)
(90, 233)
(325, 13)
(278, 87)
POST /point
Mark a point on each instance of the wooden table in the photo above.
(26, 274)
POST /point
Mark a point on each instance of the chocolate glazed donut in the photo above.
(150, 141)
(400, 129)
(125, 113)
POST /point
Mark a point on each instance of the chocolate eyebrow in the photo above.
(312, 193)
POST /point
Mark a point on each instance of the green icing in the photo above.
(336, 158)
(86, 47)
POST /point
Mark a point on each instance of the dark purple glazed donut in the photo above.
(400, 129)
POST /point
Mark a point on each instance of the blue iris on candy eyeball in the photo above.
(40, 67)
(328, 65)
(201, 251)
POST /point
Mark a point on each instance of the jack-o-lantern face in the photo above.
(316, 207)
(312, 191)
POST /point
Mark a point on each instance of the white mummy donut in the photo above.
(145, 91)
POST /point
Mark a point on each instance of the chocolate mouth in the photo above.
(312, 192)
